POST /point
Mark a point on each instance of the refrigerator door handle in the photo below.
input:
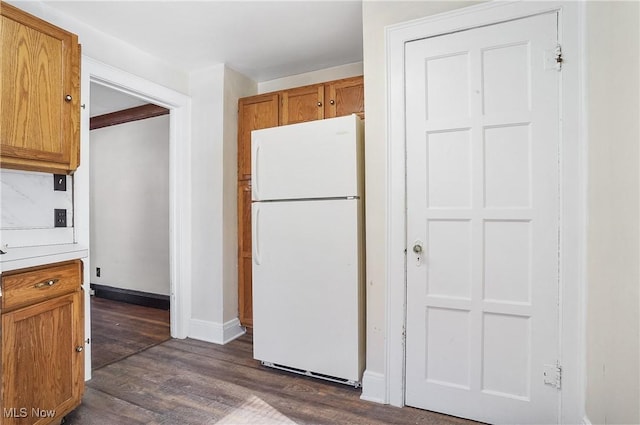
(254, 171)
(256, 233)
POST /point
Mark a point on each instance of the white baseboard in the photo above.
(232, 330)
(218, 333)
(374, 387)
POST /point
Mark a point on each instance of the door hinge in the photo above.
(553, 58)
(559, 58)
(553, 375)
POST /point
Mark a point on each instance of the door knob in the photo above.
(68, 98)
(417, 249)
(79, 348)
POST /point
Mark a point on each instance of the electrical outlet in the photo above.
(98, 271)
(60, 218)
(60, 182)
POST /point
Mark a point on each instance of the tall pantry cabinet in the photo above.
(308, 103)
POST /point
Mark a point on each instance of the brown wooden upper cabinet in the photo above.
(302, 104)
(344, 97)
(40, 87)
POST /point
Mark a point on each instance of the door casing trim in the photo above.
(573, 172)
(179, 185)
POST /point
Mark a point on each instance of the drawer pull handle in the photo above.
(46, 283)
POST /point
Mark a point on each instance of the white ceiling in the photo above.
(105, 100)
(264, 40)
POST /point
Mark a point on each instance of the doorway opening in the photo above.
(129, 224)
(179, 187)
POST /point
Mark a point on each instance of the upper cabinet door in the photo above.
(344, 97)
(302, 104)
(40, 85)
(254, 113)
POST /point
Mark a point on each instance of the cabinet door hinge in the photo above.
(553, 375)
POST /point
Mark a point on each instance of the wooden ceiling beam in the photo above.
(127, 115)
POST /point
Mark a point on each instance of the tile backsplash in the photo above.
(27, 203)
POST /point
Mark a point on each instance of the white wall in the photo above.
(129, 204)
(215, 92)
(613, 357)
(377, 15)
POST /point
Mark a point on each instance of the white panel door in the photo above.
(482, 204)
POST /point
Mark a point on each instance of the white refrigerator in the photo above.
(307, 227)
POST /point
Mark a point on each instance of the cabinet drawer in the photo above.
(27, 287)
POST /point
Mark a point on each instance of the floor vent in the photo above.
(355, 384)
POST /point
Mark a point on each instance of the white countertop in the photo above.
(19, 258)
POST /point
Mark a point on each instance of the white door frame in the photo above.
(573, 155)
(179, 180)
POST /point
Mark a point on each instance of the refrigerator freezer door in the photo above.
(307, 288)
(317, 159)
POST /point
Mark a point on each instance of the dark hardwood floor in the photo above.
(119, 330)
(194, 382)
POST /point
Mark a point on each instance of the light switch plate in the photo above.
(60, 182)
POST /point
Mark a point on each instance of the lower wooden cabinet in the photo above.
(245, 294)
(42, 343)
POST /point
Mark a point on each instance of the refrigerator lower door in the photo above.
(307, 289)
